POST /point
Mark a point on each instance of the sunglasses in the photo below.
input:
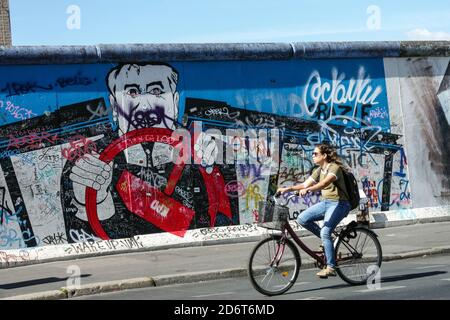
(315, 154)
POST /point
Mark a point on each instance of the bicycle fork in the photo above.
(278, 254)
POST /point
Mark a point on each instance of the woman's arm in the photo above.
(307, 183)
(319, 186)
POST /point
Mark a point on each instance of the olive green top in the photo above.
(331, 192)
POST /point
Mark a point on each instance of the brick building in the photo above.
(5, 24)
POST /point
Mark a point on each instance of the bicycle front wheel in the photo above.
(358, 255)
(274, 265)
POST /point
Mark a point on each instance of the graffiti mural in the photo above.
(89, 152)
(425, 101)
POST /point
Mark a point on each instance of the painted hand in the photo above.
(206, 149)
(89, 171)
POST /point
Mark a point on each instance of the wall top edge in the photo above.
(117, 53)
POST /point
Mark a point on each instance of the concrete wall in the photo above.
(85, 132)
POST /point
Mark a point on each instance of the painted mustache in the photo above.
(143, 118)
(147, 118)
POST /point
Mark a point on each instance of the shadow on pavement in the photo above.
(338, 286)
(411, 276)
(383, 280)
(35, 282)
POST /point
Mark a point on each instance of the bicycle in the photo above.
(274, 263)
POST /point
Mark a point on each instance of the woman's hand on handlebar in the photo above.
(304, 192)
(280, 191)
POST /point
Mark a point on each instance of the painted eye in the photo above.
(133, 92)
(156, 91)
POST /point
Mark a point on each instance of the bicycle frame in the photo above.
(319, 256)
(281, 273)
(316, 255)
(277, 256)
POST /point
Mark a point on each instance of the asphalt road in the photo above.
(201, 263)
(421, 278)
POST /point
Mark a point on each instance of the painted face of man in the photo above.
(144, 96)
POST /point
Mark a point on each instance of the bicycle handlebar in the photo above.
(278, 194)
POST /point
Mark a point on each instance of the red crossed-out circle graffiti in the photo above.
(154, 205)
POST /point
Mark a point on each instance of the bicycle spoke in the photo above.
(364, 243)
(356, 254)
(271, 276)
(274, 269)
(283, 282)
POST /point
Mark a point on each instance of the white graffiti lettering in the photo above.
(160, 208)
(358, 91)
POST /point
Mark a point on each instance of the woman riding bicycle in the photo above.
(334, 205)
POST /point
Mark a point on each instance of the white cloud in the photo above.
(424, 34)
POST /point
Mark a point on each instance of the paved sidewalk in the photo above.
(190, 264)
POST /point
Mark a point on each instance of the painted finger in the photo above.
(84, 182)
(202, 140)
(94, 160)
(206, 139)
(199, 142)
(85, 171)
(106, 166)
(100, 180)
(210, 153)
(106, 174)
(89, 169)
(85, 174)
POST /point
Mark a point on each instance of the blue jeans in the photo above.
(332, 212)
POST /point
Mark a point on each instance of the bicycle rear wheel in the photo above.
(274, 265)
(358, 255)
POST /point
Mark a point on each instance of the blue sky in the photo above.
(44, 22)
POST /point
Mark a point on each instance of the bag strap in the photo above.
(337, 186)
(345, 191)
